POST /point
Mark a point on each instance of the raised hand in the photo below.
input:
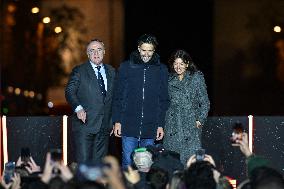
(33, 167)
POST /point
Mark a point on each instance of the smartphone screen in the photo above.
(9, 171)
(237, 132)
(89, 172)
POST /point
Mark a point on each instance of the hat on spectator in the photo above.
(142, 159)
(169, 161)
(255, 162)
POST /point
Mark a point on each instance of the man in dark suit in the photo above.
(89, 92)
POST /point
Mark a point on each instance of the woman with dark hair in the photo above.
(189, 106)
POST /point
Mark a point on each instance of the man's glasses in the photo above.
(93, 51)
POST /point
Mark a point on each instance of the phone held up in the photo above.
(25, 156)
(56, 154)
(200, 154)
(91, 172)
(237, 132)
(9, 171)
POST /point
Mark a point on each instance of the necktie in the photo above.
(101, 82)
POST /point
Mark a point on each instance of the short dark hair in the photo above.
(266, 177)
(147, 38)
(157, 178)
(200, 176)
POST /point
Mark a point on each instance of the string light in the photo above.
(277, 29)
(35, 10)
(26, 93)
(58, 29)
(46, 20)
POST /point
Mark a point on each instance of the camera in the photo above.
(237, 132)
(9, 171)
(200, 154)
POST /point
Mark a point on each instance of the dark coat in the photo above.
(141, 96)
(189, 103)
(83, 89)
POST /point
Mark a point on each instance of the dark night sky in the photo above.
(183, 24)
(190, 25)
(178, 24)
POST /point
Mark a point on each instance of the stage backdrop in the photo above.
(43, 133)
(38, 133)
(268, 142)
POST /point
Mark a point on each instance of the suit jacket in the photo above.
(83, 89)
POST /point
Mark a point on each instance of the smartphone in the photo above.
(91, 172)
(9, 171)
(200, 154)
(237, 132)
(25, 155)
(56, 154)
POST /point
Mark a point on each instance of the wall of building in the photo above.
(103, 20)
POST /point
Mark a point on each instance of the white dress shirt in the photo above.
(103, 72)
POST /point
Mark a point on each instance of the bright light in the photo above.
(58, 29)
(233, 183)
(5, 141)
(35, 10)
(17, 91)
(277, 29)
(250, 132)
(46, 20)
(50, 104)
(31, 94)
(65, 142)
